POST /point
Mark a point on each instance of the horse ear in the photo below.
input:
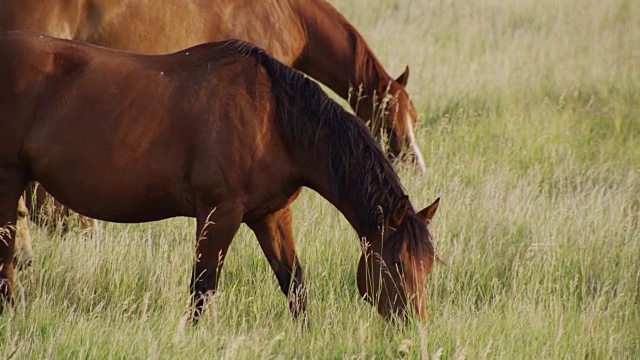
(402, 79)
(399, 211)
(427, 213)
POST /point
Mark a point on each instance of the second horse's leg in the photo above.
(23, 251)
(11, 186)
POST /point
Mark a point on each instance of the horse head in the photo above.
(393, 268)
(394, 115)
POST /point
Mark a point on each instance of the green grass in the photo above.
(531, 132)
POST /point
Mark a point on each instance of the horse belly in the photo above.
(118, 198)
(110, 180)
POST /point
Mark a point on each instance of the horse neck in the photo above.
(336, 54)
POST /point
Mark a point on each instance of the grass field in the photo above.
(531, 131)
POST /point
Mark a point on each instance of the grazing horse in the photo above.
(309, 35)
(221, 132)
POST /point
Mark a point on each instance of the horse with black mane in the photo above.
(221, 132)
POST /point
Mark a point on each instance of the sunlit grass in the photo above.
(531, 132)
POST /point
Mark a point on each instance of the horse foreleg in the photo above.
(11, 186)
(215, 230)
(275, 235)
(23, 251)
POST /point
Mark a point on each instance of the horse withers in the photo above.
(124, 137)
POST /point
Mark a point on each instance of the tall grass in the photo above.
(531, 132)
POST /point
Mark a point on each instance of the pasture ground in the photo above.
(531, 132)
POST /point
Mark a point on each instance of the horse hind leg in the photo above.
(11, 187)
(23, 251)
(275, 235)
(215, 230)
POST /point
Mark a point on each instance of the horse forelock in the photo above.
(419, 237)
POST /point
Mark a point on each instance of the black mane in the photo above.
(358, 167)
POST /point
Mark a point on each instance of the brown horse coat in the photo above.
(220, 132)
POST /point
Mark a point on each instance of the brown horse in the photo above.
(220, 132)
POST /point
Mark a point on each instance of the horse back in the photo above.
(34, 67)
(160, 28)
